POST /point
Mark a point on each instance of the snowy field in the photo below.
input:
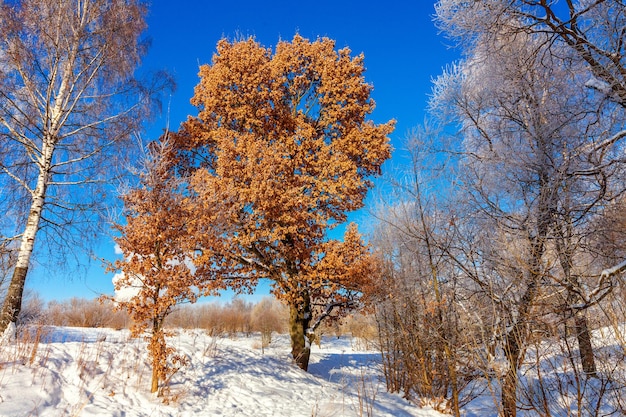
(102, 372)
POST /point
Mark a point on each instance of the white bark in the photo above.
(36, 209)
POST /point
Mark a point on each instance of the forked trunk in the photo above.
(299, 319)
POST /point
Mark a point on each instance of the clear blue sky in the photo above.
(403, 52)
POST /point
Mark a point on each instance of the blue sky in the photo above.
(402, 48)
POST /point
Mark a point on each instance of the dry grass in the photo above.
(235, 317)
(80, 312)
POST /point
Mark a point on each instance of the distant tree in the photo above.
(268, 316)
(157, 270)
(237, 317)
(282, 141)
(68, 104)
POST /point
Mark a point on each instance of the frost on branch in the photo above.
(617, 269)
(599, 85)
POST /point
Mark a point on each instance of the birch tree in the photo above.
(286, 132)
(68, 104)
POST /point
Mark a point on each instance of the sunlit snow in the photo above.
(102, 372)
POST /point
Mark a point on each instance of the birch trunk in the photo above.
(71, 93)
(13, 301)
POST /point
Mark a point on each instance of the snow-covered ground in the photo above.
(103, 372)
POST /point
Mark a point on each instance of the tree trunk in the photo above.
(299, 319)
(584, 344)
(509, 385)
(585, 349)
(451, 359)
(515, 340)
(154, 385)
(13, 301)
(157, 351)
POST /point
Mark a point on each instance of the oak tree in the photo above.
(283, 141)
(68, 103)
(157, 271)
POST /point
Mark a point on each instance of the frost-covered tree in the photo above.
(592, 29)
(539, 160)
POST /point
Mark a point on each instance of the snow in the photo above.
(63, 371)
(614, 270)
(599, 85)
(8, 334)
(551, 381)
(103, 372)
